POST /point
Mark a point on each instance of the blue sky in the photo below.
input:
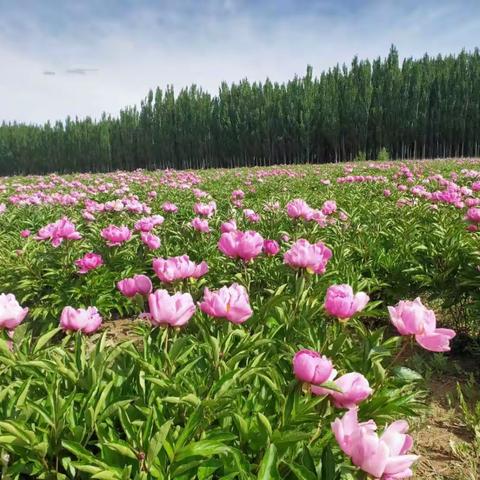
(66, 57)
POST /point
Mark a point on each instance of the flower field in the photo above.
(273, 314)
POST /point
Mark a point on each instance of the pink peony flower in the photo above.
(147, 224)
(231, 303)
(311, 367)
(11, 313)
(251, 216)
(25, 233)
(83, 320)
(354, 389)
(237, 244)
(299, 208)
(342, 303)
(270, 247)
(150, 240)
(313, 257)
(385, 457)
(169, 207)
(59, 231)
(229, 226)
(116, 235)
(88, 262)
(178, 268)
(329, 207)
(173, 310)
(473, 215)
(129, 287)
(200, 225)
(205, 209)
(413, 318)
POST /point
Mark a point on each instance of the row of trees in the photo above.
(428, 107)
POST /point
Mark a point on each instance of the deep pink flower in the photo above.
(59, 231)
(88, 262)
(413, 318)
(270, 247)
(231, 303)
(116, 235)
(313, 257)
(178, 268)
(25, 233)
(173, 310)
(237, 244)
(11, 313)
(83, 320)
(311, 367)
(342, 303)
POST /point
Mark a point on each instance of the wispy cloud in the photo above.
(141, 44)
(80, 71)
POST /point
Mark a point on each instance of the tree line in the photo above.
(419, 108)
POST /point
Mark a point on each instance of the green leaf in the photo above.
(202, 448)
(328, 464)
(268, 467)
(156, 443)
(45, 338)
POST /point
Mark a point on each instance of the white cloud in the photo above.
(148, 46)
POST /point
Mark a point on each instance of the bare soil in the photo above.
(435, 434)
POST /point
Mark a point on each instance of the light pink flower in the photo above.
(413, 318)
(251, 216)
(385, 457)
(354, 389)
(178, 268)
(200, 225)
(150, 240)
(311, 367)
(83, 320)
(116, 235)
(11, 313)
(313, 257)
(299, 208)
(237, 244)
(329, 207)
(231, 303)
(228, 226)
(205, 209)
(139, 284)
(169, 207)
(342, 303)
(173, 310)
(147, 224)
